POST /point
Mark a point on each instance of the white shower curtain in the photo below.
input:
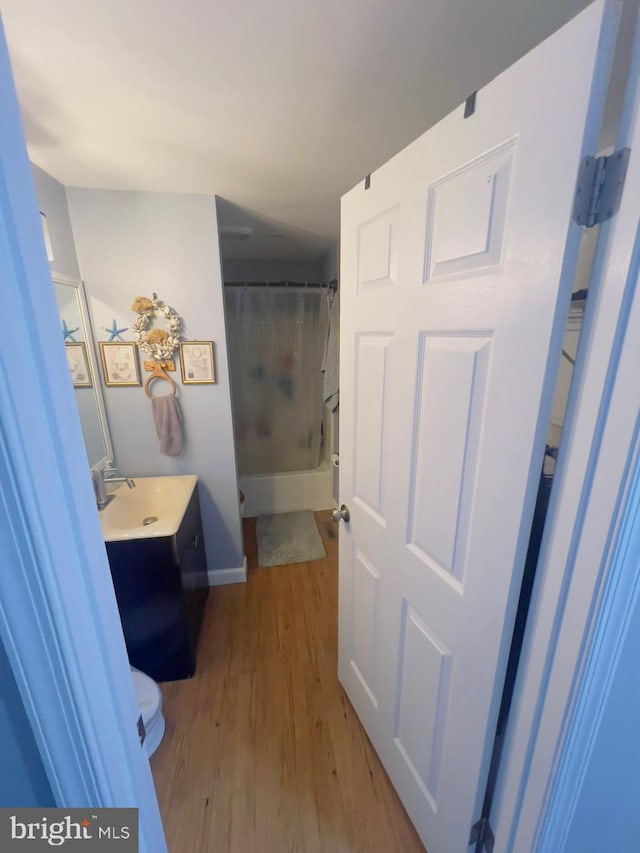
(276, 341)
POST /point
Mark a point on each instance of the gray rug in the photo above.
(290, 537)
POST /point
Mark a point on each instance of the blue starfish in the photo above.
(114, 332)
(67, 333)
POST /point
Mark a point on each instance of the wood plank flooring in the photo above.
(263, 752)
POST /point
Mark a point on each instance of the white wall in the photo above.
(287, 269)
(136, 243)
(53, 203)
(331, 263)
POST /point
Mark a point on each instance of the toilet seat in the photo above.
(149, 700)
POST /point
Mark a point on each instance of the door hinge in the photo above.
(482, 836)
(599, 187)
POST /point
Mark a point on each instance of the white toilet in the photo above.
(149, 699)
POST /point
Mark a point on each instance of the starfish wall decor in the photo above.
(68, 333)
(114, 332)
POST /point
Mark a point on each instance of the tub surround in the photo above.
(267, 494)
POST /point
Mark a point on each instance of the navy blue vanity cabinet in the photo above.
(161, 587)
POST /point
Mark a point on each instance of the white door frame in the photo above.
(58, 616)
(580, 606)
(612, 630)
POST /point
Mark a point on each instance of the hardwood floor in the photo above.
(263, 752)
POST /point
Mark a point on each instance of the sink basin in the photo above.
(154, 508)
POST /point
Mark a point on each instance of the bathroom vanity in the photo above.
(159, 572)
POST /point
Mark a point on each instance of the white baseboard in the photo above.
(220, 577)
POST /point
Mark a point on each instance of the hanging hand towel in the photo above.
(166, 416)
(330, 361)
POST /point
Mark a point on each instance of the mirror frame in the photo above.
(69, 281)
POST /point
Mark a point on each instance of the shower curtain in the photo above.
(276, 341)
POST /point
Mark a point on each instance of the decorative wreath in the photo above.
(157, 343)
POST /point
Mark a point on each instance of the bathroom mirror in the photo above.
(75, 325)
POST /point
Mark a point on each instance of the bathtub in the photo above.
(294, 490)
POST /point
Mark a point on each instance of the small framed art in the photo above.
(196, 363)
(120, 363)
(79, 365)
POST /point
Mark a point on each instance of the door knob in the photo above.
(341, 514)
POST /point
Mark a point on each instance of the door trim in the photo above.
(58, 616)
(618, 608)
(591, 505)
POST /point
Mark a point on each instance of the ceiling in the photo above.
(279, 107)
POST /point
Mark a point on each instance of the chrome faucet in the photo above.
(99, 485)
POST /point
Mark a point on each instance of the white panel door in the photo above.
(456, 274)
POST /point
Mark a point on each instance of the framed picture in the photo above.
(196, 362)
(120, 363)
(79, 365)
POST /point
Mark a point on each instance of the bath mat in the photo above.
(290, 537)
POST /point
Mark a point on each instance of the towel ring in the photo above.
(158, 373)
